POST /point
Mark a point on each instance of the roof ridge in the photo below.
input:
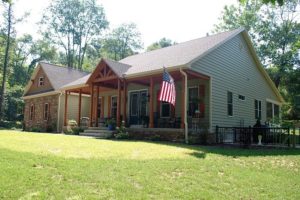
(62, 66)
(116, 61)
(146, 52)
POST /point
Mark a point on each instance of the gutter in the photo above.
(185, 107)
(58, 112)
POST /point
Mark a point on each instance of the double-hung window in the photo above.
(257, 109)
(229, 103)
(114, 105)
(41, 81)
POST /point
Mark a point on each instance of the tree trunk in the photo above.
(6, 60)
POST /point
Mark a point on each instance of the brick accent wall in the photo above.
(38, 121)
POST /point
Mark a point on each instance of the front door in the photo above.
(138, 107)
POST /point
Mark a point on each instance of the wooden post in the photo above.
(79, 107)
(119, 103)
(66, 108)
(124, 101)
(109, 107)
(183, 111)
(102, 108)
(92, 103)
(151, 117)
(97, 103)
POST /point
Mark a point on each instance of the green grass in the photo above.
(48, 166)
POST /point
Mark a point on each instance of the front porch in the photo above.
(134, 100)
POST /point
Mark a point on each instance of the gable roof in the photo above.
(58, 76)
(176, 55)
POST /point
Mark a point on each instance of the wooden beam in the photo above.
(183, 113)
(79, 107)
(102, 107)
(119, 104)
(92, 103)
(151, 117)
(66, 108)
(124, 101)
(97, 103)
(109, 106)
(105, 78)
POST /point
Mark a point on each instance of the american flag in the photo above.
(167, 90)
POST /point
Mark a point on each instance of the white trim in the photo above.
(231, 103)
(273, 101)
(259, 109)
(210, 104)
(43, 81)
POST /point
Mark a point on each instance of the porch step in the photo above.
(99, 132)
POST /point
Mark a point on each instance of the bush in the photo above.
(121, 132)
(36, 129)
(72, 128)
(11, 124)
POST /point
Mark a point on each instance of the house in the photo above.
(219, 81)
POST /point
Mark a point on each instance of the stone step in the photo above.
(97, 131)
(97, 128)
(97, 134)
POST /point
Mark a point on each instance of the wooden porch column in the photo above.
(151, 117)
(109, 107)
(92, 103)
(97, 103)
(183, 113)
(66, 108)
(119, 104)
(124, 101)
(79, 107)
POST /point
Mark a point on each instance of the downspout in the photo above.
(58, 113)
(185, 107)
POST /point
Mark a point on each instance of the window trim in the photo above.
(240, 95)
(259, 109)
(227, 103)
(192, 87)
(48, 111)
(111, 105)
(43, 81)
(31, 112)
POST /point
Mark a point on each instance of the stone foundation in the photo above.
(163, 134)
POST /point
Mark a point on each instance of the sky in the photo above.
(178, 20)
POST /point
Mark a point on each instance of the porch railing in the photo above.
(250, 136)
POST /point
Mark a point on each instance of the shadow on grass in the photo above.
(201, 151)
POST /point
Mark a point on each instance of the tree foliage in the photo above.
(71, 25)
(163, 42)
(123, 41)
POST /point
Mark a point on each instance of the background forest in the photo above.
(76, 33)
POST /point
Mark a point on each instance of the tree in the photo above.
(163, 42)
(71, 25)
(6, 58)
(123, 41)
(280, 2)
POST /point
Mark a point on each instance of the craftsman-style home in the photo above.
(219, 81)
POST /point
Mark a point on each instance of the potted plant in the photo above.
(111, 124)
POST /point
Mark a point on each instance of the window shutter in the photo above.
(202, 97)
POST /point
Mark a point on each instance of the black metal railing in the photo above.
(254, 136)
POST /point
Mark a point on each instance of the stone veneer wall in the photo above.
(38, 121)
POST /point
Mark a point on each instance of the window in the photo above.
(114, 105)
(46, 111)
(241, 97)
(229, 104)
(273, 112)
(193, 101)
(257, 106)
(165, 109)
(41, 81)
(31, 112)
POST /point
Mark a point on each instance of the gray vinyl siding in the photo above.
(232, 68)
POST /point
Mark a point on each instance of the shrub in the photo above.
(121, 132)
(36, 129)
(72, 128)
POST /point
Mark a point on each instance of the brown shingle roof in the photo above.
(60, 76)
(176, 55)
(117, 67)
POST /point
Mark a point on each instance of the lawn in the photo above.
(50, 166)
